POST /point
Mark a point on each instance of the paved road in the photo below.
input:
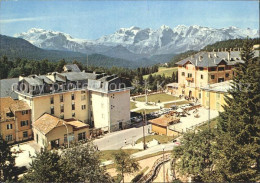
(155, 149)
(116, 140)
(151, 150)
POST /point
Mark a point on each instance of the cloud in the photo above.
(22, 19)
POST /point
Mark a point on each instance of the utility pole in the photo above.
(144, 117)
(209, 96)
(163, 165)
(146, 102)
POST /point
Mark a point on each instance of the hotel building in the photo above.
(15, 120)
(99, 100)
(205, 68)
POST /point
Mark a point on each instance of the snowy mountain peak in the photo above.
(164, 27)
(164, 40)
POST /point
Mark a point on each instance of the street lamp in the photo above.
(163, 165)
(67, 134)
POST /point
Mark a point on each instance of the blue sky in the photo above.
(93, 19)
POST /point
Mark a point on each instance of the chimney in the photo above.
(230, 49)
(209, 55)
(218, 49)
(228, 56)
(213, 50)
(225, 49)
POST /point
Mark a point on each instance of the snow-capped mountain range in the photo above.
(134, 42)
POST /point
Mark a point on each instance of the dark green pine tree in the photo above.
(45, 167)
(7, 162)
(173, 77)
(238, 125)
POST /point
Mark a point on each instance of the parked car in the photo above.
(174, 107)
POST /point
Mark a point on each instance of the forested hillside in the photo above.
(232, 43)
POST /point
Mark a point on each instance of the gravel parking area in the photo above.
(190, 120)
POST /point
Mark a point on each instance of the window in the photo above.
(213, 69)
(73, 114)
(83, 92)
(73, 106)
(227, 75)
(83, 107)
(217, 106)
(24, 112)
(201, 76)
(61, 98)
(9, 137)
(62, 108)
(218, 95)
(52, 100)
(72, 96)
(9, 126)
(24, 123)
(221, 68)
(183, 73)
(212, 76)
(52, 110)
(189, 75)
(201, 68)
(83, 97)
(65, 138)
(82, 136)
(25, 134)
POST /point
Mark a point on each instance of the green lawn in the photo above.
(164, 70)
(108, 154)
(156, 97)
(132, 105)
(176, 103)
(162, 139)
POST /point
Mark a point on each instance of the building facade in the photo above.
(52, 132)
(213, 96)
(15, 120)
(97, 99)
(205, 68)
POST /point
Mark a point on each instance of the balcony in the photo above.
(189, 79)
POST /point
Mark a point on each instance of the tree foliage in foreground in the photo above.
(197, 155)
(125, 164)
(79, 163)
(232, 154)
(239, 124)
(7, 162)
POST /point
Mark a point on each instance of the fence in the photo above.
(152, 174)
